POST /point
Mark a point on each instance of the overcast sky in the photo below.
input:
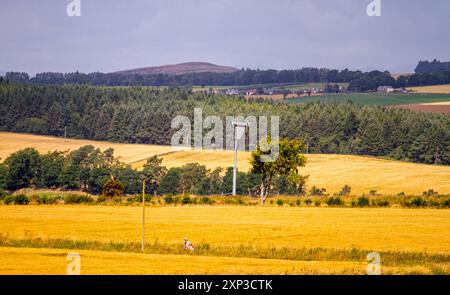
(38, 35)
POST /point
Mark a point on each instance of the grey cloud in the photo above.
(37, 35)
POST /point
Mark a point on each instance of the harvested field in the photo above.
(443, 107)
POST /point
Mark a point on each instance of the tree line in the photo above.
(358, 81)
(144, 115)
(240, 77)
(99, 172)
(434, 66)
(372, 80)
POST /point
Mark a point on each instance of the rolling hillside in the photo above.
(180, 69)
(440, 89)
(329, 171)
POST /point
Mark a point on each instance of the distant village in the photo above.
(299, 91)
(275, 91)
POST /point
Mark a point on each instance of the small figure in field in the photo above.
(187, 245)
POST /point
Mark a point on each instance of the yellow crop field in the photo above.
(11, 142)
(371, 229)
(438, 89)
(334, 171)
(328, 171)
(53, 261)
(394, 230)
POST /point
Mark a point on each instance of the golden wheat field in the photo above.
(328, 171)
(395, 230)
(53, 261)
(438, 89)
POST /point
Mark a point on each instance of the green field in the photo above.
(301, 86)
(276, 86)
(376, 98)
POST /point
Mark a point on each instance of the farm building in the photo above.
(385, 89)
(232, 92)
(250, 92)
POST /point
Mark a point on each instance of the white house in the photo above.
(385, 89)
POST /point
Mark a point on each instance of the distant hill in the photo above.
(180, 69)
(433, 67)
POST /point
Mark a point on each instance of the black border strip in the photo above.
(278, 284)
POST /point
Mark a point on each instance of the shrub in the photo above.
(308, 202)
(113, 188)
(315, 191)
(240, 201)
(3, 194)
(430, 193)
(148, 198)
(8, 200)
(298, 202)
(177, 199)
(417, 202)
(47, 200)
(16, 200)
(280, 202)
(21, 200)
(317, 203)
(362, 202)
(404, 202)
(345, 191)
(169, 199)
(433, 203)
(380, 203)
(186, 200)
(138, 199)
(206, 200)
(78, 199)
(334, 202)
(237, 201)
(445, 203)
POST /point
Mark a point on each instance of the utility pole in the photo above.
(235, 164)
(143, 215)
